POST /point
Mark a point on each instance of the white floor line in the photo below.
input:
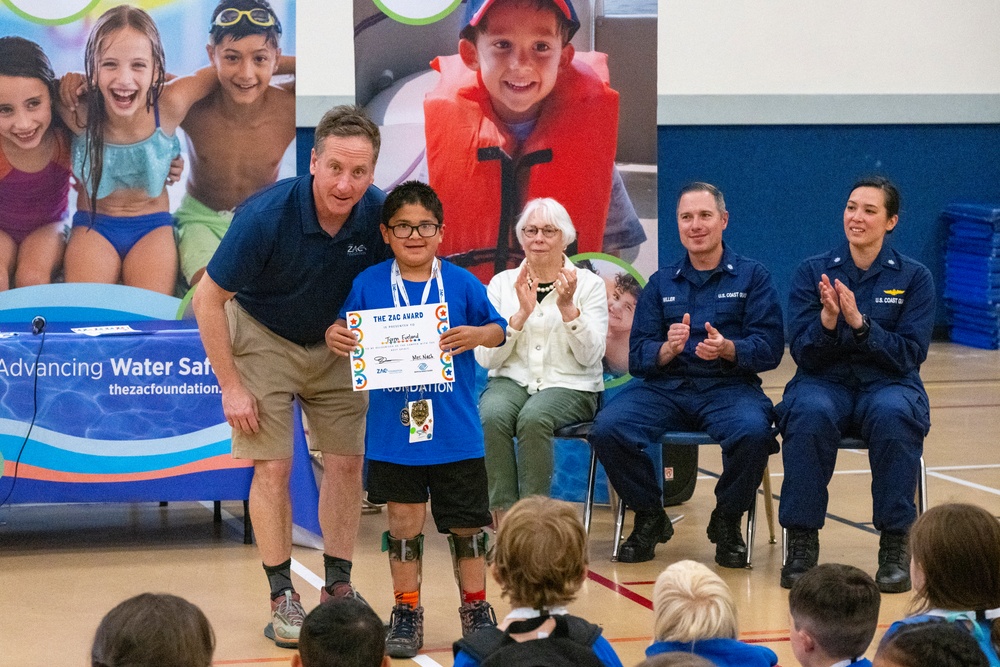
(983, 466)
(962, 482)
(298, 568)
(311, 577)
(426, 661)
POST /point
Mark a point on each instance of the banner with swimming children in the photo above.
(495, 102)
(130, 131)
(128, 134)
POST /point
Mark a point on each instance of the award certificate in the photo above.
(398, 347)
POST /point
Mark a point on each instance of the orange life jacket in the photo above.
(484, 178)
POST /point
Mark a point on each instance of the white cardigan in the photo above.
(548, 352)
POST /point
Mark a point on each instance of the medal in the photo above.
(421, 420)
(419, 411)
(404, 416)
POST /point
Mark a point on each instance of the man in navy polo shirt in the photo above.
(704, 328)
(274, 286)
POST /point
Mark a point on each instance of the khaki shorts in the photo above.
(277, 371)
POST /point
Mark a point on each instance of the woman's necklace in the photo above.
(546, 288)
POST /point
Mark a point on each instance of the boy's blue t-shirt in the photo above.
(458, 433)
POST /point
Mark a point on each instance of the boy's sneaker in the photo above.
(342, 589)
(405, 635)
(476, 615)
(287, 615)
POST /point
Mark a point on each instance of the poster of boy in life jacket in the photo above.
(495, 102)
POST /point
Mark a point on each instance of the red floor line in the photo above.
(621, 590)
(251, 661)
(764, 640)
(638, 583)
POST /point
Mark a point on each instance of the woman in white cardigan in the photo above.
(548, 373)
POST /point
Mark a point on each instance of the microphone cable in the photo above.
(34, 412)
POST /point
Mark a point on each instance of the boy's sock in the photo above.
(409, 598)
(473, 597)
(279, 577)
(337, 570)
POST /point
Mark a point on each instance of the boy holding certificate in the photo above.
(443, 456)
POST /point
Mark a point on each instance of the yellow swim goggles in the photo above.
(257, 16)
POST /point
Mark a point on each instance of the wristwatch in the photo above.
(862, 332)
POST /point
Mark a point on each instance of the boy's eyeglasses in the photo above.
(547, 232)
(404, 231)
(257, 16)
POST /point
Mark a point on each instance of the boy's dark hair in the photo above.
(412, 192)
(23, 58)
(347, 120)
(153, 630)
(567, 27)
(342, 632)
(838, 605)
(244, 26)
(889, 191)
(626, 283)
(933, 644)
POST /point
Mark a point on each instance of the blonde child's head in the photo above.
(540, 558)
(690, 603)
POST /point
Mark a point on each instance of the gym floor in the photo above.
(62, 567)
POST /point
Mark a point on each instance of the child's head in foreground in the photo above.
(834, 614)
(540, 558)
(342, 632)
(930, 644)
(690, 603)
(955, 559)
(518, 48)
(153, 630)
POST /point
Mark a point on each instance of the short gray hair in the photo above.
(546, 210)
(699, 186)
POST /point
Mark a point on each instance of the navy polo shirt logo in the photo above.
(356, 249)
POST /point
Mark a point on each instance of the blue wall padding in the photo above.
(786, 186)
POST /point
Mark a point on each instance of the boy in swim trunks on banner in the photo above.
(519, 114)
(236, 136)
(447, 461)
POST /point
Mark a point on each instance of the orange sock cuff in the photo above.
(409, 598)
(473, 597)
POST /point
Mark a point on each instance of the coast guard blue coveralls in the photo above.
(869, 386)
(720, 397)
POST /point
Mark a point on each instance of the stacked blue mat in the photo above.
(972, 275)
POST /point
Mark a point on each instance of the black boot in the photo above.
(726, 534)
(893, 574)
(651, 527)
(803, 554)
